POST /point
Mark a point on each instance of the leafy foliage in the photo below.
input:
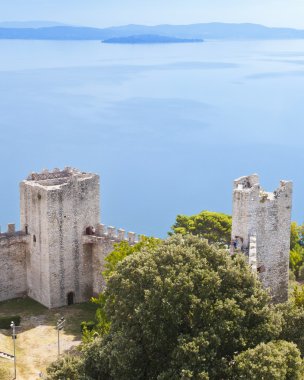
(293, 323)
(213, 226)
(67, 367)
(184, 309)
(124, 249)
(5, 322)
(297, 250)
(120, 252)
(180, 312)
(272, 361)
(298, 295)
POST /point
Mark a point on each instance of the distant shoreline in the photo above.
(150, 39)
(169, 33)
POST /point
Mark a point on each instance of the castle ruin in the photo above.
(58, 255)
(261, 230)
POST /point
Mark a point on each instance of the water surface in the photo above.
(167, 127)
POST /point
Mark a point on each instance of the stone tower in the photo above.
(57, 208)
(261, 229)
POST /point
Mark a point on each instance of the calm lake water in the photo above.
(167, 127)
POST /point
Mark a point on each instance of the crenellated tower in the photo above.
(56, 209)
(261, 230)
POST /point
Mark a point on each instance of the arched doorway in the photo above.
(70, 298)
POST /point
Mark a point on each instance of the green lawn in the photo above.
(37, 337)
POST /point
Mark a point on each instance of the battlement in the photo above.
(98, 235)
(249, 184)
(56, 177)
(246, 182)
(13, 236)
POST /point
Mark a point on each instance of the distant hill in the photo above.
(29, 24)
(150, 39)
(210, 31)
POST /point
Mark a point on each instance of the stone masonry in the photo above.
(261, 230)
(58, 255)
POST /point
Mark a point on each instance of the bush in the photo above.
(89, 326)
(272, 361)
(292, 276)
(293, 320)
(180, 312)
(301, 273)
(5, 322)
(66, 367)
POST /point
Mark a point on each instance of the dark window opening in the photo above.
(90, 230)
(261, 269)
(26, 230)
(34, 238)
(70, 298)
(39, 196)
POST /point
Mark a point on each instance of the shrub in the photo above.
(66, 367)
(89, 326)
(301, 273)
(5, 322)
(272, 361)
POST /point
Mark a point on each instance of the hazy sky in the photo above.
(118, 12)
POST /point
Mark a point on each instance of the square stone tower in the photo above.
(261, 230)
(56, 210)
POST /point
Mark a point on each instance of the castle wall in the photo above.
(13, 255)
(61, 249)
(264, 217)
(71, 210)
(101, 243)
(33, 207)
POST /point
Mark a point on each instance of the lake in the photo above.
(167, 127)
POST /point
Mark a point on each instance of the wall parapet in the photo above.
(14, 236)
(101, 232)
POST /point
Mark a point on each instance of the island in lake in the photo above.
(150, 39)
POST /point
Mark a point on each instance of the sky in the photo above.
(103, 13)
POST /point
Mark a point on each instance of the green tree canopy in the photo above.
(272, 361)
(297, 250)
(213, 226)
(68, 367)
(180, 312)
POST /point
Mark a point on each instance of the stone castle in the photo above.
(261, 229)
(58, 256)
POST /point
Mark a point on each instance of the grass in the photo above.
(36, 345)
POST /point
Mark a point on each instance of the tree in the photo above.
(213, 226)
(294, 235)
(297, 249)
(293, 319)
(298, 296)
(179, 312)
(296, 260)
(272, 361)
(67, 367)
(123, 249)
(120, 252)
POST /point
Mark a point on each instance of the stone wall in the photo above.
(58, 257)
(100, 243)
(263, 219)
(56, 210)
(13, 255)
